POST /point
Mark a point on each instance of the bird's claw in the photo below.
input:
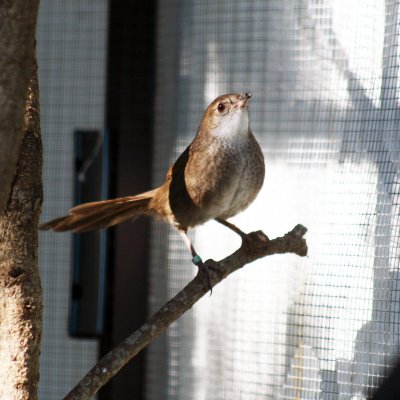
(258, 236)
(204, 270)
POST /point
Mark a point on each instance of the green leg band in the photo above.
(196, 260)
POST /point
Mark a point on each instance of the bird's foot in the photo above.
(257, 238)
(204, 270)
(248, 239)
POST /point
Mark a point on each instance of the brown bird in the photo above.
(216, 177)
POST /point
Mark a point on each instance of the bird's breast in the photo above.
(223, 179)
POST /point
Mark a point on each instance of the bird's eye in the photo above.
(221, 107)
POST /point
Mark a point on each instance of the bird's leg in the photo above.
(233, 227)
(247, 238)
(196, 260)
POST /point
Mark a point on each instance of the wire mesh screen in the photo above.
(325, 108)
(72, 57)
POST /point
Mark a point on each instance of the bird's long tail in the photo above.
(101, 214)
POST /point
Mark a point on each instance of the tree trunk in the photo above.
(17, 38)
(20, 290)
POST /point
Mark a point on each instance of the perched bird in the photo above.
(218, 175)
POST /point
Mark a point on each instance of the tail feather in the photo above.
(88, 207)
(101, 214)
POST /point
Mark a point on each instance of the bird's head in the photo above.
(227, 115)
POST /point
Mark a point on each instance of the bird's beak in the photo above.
(243, 100)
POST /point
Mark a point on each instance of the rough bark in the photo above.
(20, 289)
(17, 35)
(257, 246)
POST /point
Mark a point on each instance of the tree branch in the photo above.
(257, 246)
